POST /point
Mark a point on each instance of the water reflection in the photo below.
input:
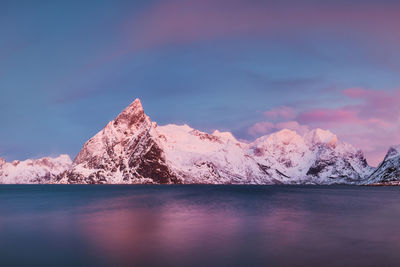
(199, 225)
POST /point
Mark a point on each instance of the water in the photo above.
(199, 225)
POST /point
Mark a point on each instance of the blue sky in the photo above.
(68, 67)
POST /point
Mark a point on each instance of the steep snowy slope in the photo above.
(388, 172)
(218, 158)
(132, 149)
(33, 171)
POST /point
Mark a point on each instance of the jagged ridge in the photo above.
(388, 171)
(33, 171)
(133, 149)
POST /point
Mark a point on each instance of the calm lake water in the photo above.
(199, 225)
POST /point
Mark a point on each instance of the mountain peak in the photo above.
(393, 151)
(224, 135)
(286, 133)
(132, 115)
(319, 136)
(388, 171)
(137, 103)
(285, 137)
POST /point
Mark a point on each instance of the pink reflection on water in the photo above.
(181, 230)
(171, 230)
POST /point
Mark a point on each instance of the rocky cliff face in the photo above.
(33, 171)
(125, 151)
(133, 149)
(388, 172)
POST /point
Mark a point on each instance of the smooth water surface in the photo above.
(199, 225)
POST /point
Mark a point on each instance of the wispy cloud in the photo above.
(197, 20)
(179, 22)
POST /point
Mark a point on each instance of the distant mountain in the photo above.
(388, 172)
(133, 149)
(33, 171)
(316, 158)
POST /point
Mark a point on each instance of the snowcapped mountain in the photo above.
(33, 171)
(133, 149)
(388, 172)
(316, 158)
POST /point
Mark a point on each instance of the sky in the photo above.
(252, 67)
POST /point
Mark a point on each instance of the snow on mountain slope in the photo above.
(285, 152)
(198, 157)
(226, 136)
(316, 158)
(132, 149)
(33, 171)
(388, 172)
(335, 162)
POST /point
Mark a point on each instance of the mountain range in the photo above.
(132, 149)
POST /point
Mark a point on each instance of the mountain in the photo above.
(33, 171)
(388, 172)
(316, 158)
(133, 149)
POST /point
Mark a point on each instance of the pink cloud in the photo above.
(182, 22)
(293, 125)
(355, 92)
(197, 20)
(262, 128)
(372, 123)
(328, 116)
(376, 104)
(377, 107)
(172, 22)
